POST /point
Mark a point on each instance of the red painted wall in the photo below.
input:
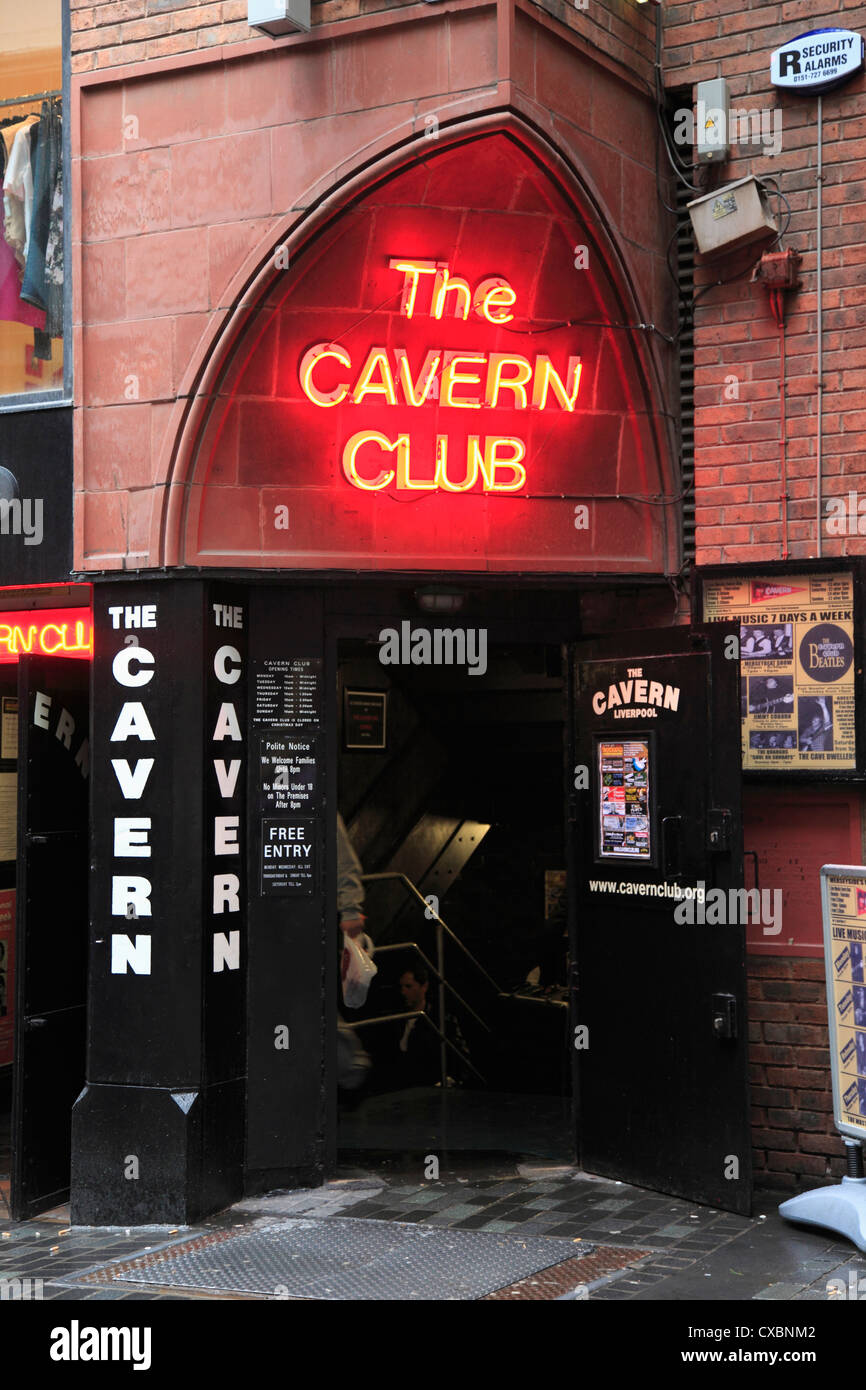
(273, 482)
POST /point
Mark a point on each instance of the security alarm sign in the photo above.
(816, 61)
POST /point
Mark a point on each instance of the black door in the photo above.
(659, 997)
(51, 926)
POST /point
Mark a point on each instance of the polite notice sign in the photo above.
(843, 900)
(289, 855)
(796, 668)
(288, 771)
(817, 60)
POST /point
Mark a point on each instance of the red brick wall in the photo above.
(795, 1143)
(129, 31)
(133, 31)
(107, 34)
(737, 452)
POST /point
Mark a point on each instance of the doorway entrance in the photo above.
(50, 940)
(450, 785)
(531, 836)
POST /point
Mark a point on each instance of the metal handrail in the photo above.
(441, 928)
(419, 1013)
(439, 974)
(535, 999)
(433, 917)
(413, 945)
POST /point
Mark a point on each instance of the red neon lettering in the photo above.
(491, 463)
(450, 284)
(425, 378)
(493, 294)
(497, 381)
(442, 478)
(59, 646)
(371, 437)
(469, 381)
(310, 360)
(19, 643)
(546, 375)
(411, 271)
(451, 377)
(56, 630)
(368, 385)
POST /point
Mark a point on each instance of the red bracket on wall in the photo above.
(777, 272)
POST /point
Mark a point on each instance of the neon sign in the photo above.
(372, 460)
(46, 632)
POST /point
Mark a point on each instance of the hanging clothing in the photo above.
(12, 307)
(18, 190)
(10, 128)
(37, 288)
(54, 261)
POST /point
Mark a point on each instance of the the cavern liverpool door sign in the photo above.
(660, 916)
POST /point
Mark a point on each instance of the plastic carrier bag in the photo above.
(356, 969)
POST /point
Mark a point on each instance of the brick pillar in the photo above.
(795, 1142)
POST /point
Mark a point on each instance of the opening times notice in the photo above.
(845, 944)
(287, 691)
(796, 668)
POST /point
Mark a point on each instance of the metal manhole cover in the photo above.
(346, 1258)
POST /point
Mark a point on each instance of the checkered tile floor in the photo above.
(643, 1245)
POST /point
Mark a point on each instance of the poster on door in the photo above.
(796, 668)
(624, 789)
(843, 898)
(7, 980)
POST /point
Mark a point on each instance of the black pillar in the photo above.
(293, 935)
(158, 1131)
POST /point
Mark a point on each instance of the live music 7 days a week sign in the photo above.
(796, 667)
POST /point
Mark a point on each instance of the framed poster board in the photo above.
(843, 903)
(797, 667)
(624, 782)
(365, 715)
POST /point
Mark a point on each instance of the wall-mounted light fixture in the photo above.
(439, 600)
(277, 17)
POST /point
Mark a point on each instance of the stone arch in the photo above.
(624, 466)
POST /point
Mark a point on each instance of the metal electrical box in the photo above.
(732, 216)
(279, 16)
(711, 134)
